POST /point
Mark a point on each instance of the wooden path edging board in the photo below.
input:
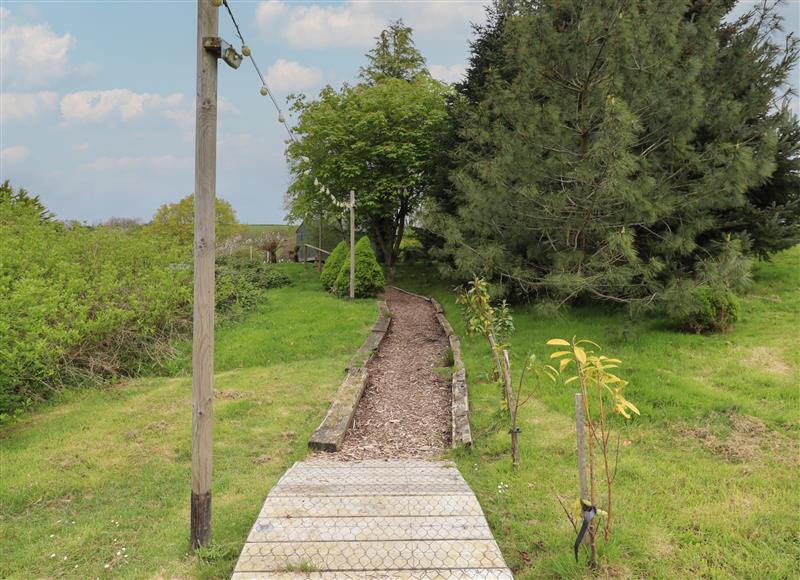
(462, 434)
(330, 433)
(371, 519)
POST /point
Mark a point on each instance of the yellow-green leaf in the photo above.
(564, 363)
(580, 354)
(560, 353)
(571, 379)
(557, 342)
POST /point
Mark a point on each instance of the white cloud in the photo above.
(183, 118)
(154, 164)
(314, 26)
(23, 106)
(32, 55)
(80, 147)
(448, 74)
(438, 17)
(269, 12)
(118, 104)
(357, 23)
(225, 106)
(288, 75)
(14, 154)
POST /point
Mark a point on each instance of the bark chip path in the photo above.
(406, 408)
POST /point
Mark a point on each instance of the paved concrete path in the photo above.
(371, 519)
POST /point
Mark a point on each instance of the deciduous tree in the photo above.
(177, 220)
(379, 139)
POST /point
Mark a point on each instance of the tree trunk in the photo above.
(383, 250)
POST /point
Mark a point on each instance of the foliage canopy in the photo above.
(177, 220)
(378, 138)
(609, 151)
(369, 274)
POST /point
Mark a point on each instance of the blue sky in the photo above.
(97, 104)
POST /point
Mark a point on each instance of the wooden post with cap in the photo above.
(205, 175)
(352, 244)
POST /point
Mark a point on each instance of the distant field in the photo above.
(253, 230)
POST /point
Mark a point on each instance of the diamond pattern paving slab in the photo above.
(455, 574)
(402, 519)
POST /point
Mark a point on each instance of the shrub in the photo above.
(369, 275)
(340, 255)
(82, 304)
(411, 249)
(241, 283)
(79, 302)
(703, 308)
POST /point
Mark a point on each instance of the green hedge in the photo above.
(369, 275)
(241, 283)
(80, 303)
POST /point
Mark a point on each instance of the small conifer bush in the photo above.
(369, 275)
(340, 255)
(705, 308)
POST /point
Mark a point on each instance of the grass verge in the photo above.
(707, 483)
(99, 484)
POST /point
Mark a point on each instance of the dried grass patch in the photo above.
(767, 359)
(747, 438)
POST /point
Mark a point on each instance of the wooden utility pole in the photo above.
(352, 244)
(205, 176)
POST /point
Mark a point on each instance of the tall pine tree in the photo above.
(606, 146)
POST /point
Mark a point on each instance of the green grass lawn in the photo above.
(708, 484)
(98, 484)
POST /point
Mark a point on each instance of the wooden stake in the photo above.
(581, 446)
(319, 245)
(205, 172)
(352, 244)
(509, 384)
